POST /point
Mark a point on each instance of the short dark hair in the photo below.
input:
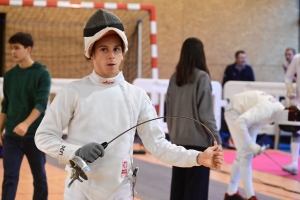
(238, 52)
(24, 39)
(192, 56)
(291, 49)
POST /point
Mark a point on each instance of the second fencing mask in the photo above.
(289, 119)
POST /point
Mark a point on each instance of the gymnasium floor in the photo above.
(154, 179)
(265, 192)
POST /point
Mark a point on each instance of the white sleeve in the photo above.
(289, 75)
(48, 137)
(154, 140)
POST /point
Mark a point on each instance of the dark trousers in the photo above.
(190, 183)
(14, 150)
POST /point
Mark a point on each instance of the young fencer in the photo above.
(246, 113)
(98, 108)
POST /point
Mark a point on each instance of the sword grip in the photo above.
(104, 144)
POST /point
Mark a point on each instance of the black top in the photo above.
(233, 74)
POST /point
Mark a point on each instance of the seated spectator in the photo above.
(289, 54)
(238, 71)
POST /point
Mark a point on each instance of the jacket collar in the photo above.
(107, 81)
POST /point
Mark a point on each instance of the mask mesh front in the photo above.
(102, 18)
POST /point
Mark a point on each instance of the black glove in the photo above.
(90, 152)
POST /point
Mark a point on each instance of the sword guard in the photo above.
(80, 169)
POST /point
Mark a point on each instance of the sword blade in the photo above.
(272, 159)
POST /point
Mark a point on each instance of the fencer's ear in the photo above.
(92, 56)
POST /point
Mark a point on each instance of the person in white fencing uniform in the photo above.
(98, 108)
(294, 96)
(245, 115)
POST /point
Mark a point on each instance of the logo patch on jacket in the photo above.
(108, 82)
(124, 167)
(62, 149)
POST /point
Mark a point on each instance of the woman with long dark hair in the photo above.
(190, 94)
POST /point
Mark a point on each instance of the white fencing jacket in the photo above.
(97, 109)
(255, 108)
(293, 68)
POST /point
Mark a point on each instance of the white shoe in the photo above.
(290, 169)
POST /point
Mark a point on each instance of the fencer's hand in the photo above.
(291, 95)
(21, 129)
(90, 152)
(256, 149)
(212, 157)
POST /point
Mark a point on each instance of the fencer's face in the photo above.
(289, 56)
(19, 52)
(107, 56)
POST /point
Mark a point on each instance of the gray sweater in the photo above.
(192, 100)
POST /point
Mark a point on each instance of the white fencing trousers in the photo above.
(242, 166)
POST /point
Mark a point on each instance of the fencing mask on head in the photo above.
(102, 23)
